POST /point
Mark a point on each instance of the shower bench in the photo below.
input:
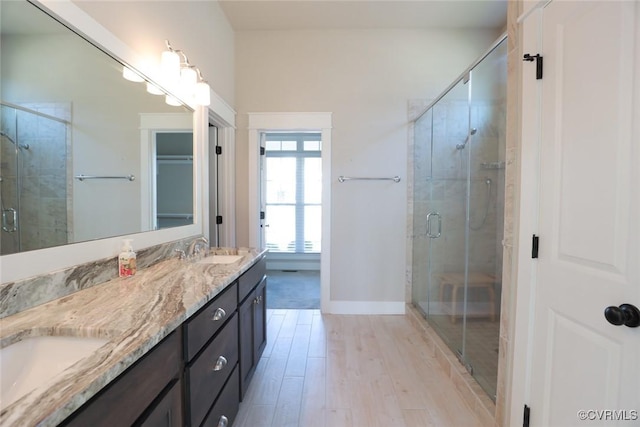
(455, 281)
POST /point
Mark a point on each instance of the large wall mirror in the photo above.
(84, 152)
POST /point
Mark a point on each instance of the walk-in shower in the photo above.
(458, 214)
(33, 179)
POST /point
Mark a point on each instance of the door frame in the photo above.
(225, 174)
(525, 268)
(150, 124)
(302, 122)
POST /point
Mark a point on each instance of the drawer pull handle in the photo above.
(219, 314)
(223, 421)
(220, 363)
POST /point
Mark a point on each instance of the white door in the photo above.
(589, 254)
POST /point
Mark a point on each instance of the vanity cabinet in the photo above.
(198, 374)
(147, 391)
(211, 359)
(252, 313)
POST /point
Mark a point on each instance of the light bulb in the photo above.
(188, 77)
(131, 75)
(153, 89)
(170, 66)
(171, 100)
(202, 95)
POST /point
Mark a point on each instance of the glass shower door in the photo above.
(459, 162)
(422, 191)
(447, 203)
(486, 154)
(9, 233)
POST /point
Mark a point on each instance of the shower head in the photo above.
(464, 144)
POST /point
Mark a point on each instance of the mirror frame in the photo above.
(24, 265)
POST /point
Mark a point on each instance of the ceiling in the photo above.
(246, 15)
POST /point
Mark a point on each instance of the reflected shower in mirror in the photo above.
(67, 112)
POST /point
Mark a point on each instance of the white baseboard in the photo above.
(364, 307)
(293, 265)
(288, 261)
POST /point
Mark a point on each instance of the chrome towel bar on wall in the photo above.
(356, 178)
(83, 177)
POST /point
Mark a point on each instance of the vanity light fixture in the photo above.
(153, 89)
(172, 100)
(202, 92)
(170, 65)
(191, 85)
(180, 76)
(131, 75)
(188, 77)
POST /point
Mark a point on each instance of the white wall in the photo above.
(365, 78)
(199, 28)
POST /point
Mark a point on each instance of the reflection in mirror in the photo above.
(174, 172)
(73, 157)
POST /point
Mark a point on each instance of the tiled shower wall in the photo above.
(45, 176)
(442, 187)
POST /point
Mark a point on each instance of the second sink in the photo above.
(220, 259)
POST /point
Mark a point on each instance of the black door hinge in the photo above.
(218, 219)
(525, 416)
(218, 149)
(262, 151)
(535, 242)
(261, 214)
(538, 59)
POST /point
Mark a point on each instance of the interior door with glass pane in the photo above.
(292, 177)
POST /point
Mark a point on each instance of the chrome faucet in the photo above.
(196, 246)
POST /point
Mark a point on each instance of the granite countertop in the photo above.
(133, 313)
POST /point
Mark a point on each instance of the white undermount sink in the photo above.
(220, 259)
(26, 364)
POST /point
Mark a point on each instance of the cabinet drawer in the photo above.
(210, 370)
(129, 395)
(250, 278)
(226, 408)
(203, 325)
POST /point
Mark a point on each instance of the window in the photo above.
(293, 192)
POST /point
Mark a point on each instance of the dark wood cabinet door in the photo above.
(168, 411)
(260, 320)
(124, 400)
(245, 340)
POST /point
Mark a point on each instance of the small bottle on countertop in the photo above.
(126, 260)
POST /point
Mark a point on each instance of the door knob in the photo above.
(626, 314)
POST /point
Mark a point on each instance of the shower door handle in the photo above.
(430, 234)
(6, 226)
